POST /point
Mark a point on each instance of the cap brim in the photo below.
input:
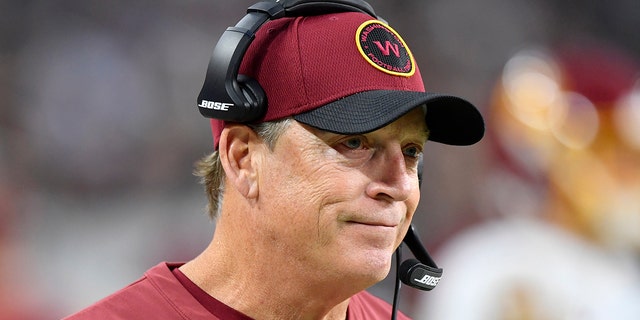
(450, 120)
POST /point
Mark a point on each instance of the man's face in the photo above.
(337, 205)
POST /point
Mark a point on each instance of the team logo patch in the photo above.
(384, 49)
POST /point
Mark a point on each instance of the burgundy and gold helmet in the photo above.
(567, 120)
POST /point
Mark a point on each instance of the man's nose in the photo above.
(391, 179)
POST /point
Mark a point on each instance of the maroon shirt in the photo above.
(165, 293)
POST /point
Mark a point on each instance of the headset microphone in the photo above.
(420, 273)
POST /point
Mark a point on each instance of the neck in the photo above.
(263, 284)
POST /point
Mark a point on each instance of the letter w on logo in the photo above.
(388, 47)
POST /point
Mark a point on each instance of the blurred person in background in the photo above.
(562, 198)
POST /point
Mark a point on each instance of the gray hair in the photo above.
(212, 175)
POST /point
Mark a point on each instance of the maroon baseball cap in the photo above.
(348, 73)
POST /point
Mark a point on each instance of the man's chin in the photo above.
(374, 267)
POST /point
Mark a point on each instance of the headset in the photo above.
(229, 96)
(421, 273)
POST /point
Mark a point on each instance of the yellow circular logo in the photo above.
(384, 49)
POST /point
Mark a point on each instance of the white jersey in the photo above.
(524, 269)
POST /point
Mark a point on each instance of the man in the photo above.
(312, 199)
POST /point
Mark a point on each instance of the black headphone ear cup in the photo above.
(255, 95)
(228, 96)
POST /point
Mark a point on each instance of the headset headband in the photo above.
(227, 96)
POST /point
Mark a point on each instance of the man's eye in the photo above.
(353, 143)
(412, 152)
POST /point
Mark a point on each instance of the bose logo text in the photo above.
(428, 280)
(222, 106)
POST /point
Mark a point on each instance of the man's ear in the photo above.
(236, 148)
